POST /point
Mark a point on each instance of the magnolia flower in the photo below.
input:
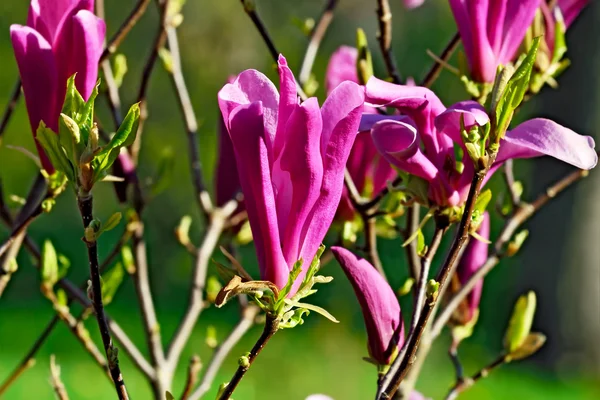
(291, 160)
(474, 257)
(428, 123)
(380, 307)
(492, 31)
(413, 3)
(62, 37)
(369, 171)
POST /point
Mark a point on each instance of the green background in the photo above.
(217, 40)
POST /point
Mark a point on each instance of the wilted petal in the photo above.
(538, 137)
(341, 67)
(398, 142)
(380, 307)
(473, 259)
(38, 76)
(252, 86)
(472, 113)
(301, 167)
(341, 114)
(247, 131)
(78, 48)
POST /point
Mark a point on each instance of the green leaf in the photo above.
(483, 200)
(49, 264)
(120, 66)
(421, 247)
(110, 224)
(532, 343)
(364, 62)
(164, 175)
(213, 287)
(291, 279)
(86, 118)
(169, 396)
(111, 281)
(128, 260)
(515, 245)
(73, 100)
(560, 43)
(63, 266)
(314, 265)
(406, 287)
(520, 323)
(318, 310)
(124, 137)
(70, 138)
(419, 188)
(515, 90)
(50, 143)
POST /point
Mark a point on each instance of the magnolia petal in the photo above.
(251, 86)
(413, 3)
(380, 307)
(301, 162)
(483, 60)
(247, 131)
(368, 120)
(538, 137)
(519, 16)
(288, 102)
(571, 9)
(47, 16)
(341, 114)
(472, 113)
(38, 77)
(398, 142)
(473, 259)
(341, 67)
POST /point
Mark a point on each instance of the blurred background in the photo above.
(560, 260)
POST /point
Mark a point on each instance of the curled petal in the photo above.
(398, 142)
(538, 137)
(368, 120)
(38, 76)
(380, 307)
(341, 67)
(247, 131)
(472, 113)
(251, 86)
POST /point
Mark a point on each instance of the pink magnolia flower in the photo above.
(291, 160)
(379, 304)
(474, 257)
(62, 37)
(492, 31)
(429, 123)
(413, 3)
(366, 166)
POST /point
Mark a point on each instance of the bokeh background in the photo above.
(560, 260)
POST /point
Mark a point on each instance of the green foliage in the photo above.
(520, 323)
(49, 265)
(111, 281)
(364, 63)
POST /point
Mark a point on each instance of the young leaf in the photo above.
(364, 63)
(49, 141)
(73, 100)
(110, 224)
(49, 264)
(520, 322)
(120, 67)
(111, 281)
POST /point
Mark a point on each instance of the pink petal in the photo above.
(483, 61)
(571, 9)
(301, 166)
(472, 112)
(288, 102)
(227, 181)
(380, 307)
(341, 115)
(78, 48)
(398, 142)
(38, 76)
(413, 3)
(341, 67)
(519, 16)
(247, 131)
(251, 86)
(368, 120)
(538, 137)
(47, 16)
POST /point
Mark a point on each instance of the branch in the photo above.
(316, 36)
(249, 314)
(57, 384)
(10, 107)
(509, 178)
(465, 384)
(192, 376)
(437, 66)
(384, 36)
(138, 10)
(85, 204)
(271, 326)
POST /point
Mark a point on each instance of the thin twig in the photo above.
(437, 66)
(412, 224)
(249, 314)
(371, 244)
(271, 326)
(316, 36)
(57, 384)
(138, 10)
(27, 363)
(192, 376)
(465, 384)
(384, 19)
(10, 107)
(509, 178)
(85, 204)
(191, 123)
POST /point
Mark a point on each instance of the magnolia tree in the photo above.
(378, 156)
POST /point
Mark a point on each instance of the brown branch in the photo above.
(138, 10)
(509, 178)
(465, 384)
(437, 66)
(249, 314)
(57, 384)
(271, 326)
(10, 107)
(384, 36)
(27, 363)
(192, 376)
(85, 204)
(316, 36)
